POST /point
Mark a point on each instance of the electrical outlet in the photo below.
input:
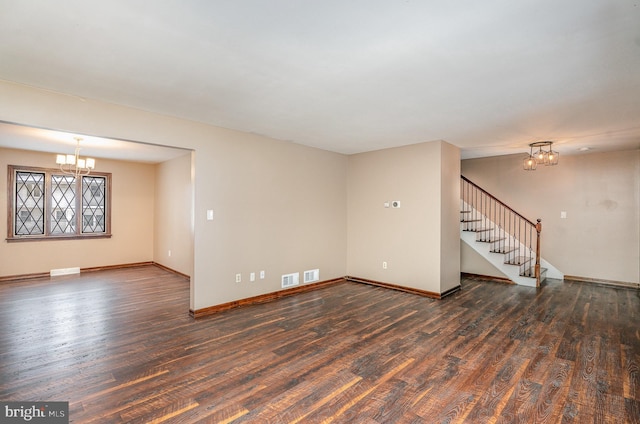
(238, 278)
(262, 275)
(252, 276)
(384, 265)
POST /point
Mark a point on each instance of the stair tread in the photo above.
(505, 250)
(531, 272)
(465, 211)
(491, 240)
(482, 229)
(519, 260)
(471, 220)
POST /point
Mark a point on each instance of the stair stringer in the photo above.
(552, 271)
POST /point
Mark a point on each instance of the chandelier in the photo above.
(547, 157)
(74, 164)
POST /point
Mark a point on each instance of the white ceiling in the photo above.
(348, 76)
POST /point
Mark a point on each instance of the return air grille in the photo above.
(311, 275)
(289, 280)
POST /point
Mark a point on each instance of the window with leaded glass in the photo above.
(93, 204)
(63, 203)
(29, 203)
(48, 204)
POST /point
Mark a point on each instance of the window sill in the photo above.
(52, 238)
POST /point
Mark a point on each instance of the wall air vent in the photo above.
(289, 280)
(311, 275)
(64, 271)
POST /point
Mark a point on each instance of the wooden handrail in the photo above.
(496, 199)
(507, 230)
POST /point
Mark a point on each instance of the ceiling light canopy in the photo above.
(548, 157)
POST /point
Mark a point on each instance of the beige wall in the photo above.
(449, 217)
(132, 214)
(411, 238)
(173, 205)
(278, 206)
(600, 238)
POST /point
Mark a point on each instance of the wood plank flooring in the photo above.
(120, 346)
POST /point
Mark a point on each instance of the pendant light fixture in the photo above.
(74, 164)
(548, 157)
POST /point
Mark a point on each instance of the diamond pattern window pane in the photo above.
(93, 204)
(63, 204)
(29, 210)
(47, 202)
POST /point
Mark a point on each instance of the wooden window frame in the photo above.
(78, 235)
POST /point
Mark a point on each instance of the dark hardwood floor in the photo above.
(119, 345)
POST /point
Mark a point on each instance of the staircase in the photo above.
(506, 239)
